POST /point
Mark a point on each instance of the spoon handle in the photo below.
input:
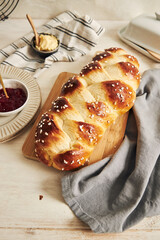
(154, 54)
(5, 92)
(34, 30)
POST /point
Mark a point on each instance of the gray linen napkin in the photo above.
(77, 35)
(116, 193)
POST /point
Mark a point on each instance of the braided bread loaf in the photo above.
(106, 88)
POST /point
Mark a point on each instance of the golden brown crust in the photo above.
(71, 159)
(120, 95)
(66, 134)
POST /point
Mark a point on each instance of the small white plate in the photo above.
(11, 126)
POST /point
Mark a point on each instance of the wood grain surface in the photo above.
(107, 145)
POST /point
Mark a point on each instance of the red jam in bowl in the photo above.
(17, 98)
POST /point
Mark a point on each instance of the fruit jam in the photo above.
(17, 98)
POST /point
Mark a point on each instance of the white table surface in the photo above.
(22, 214)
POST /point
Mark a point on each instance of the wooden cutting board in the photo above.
(107, 145)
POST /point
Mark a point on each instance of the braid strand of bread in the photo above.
(106, 88)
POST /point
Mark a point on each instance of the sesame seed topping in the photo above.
(46, 133)
(81, 128)
(49, 123)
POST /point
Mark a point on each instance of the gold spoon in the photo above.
(154, 54)
(34, 30)
(5, 92)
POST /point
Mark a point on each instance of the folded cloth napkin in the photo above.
(77, 36)
(117, 192)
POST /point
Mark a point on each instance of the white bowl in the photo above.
(13, 83)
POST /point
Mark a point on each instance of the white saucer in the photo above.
(11, 126)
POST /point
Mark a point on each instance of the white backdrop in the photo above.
(98, 9)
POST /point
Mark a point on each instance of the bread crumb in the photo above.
(40, 197)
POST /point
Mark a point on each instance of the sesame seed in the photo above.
(40, 131)
(81, 128)
(49, 123)
(65, 162)
(46, 133)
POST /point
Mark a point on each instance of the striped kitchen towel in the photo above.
(77, 36)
